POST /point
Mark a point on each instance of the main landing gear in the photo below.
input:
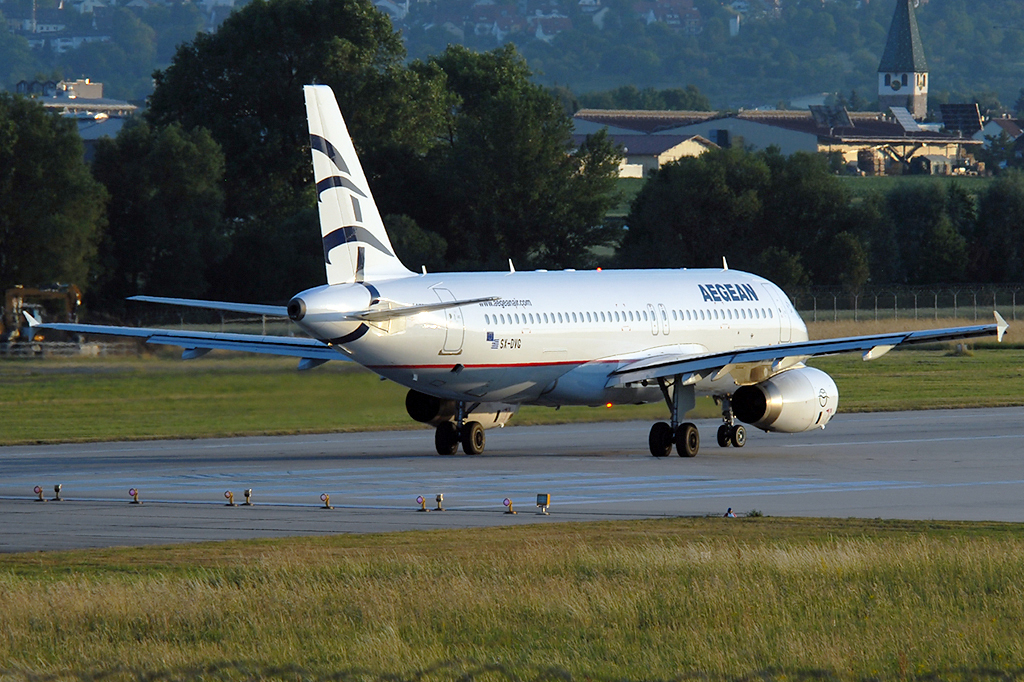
(685, 436)
(449, 434)
(730, 433)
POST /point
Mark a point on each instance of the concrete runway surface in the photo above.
(944, 464)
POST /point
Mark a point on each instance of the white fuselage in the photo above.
(551, 338)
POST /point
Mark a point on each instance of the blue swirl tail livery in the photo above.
(356, 245)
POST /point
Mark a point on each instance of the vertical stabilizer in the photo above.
(356, 245)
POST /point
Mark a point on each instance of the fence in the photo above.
(971, 301)
(64, 350)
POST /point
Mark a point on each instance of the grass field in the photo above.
(706, 599)
(158, 396)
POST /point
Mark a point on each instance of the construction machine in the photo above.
(51, 303)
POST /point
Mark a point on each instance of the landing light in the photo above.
(608, 405)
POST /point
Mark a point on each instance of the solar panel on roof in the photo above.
(831, 116)
(904, 118)
(965, 118)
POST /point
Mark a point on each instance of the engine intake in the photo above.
(794, 401)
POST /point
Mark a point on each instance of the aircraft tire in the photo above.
(660, 439)
(738, 436)
(473, 438)
(446, 439)
(724, 436)
(687, 440)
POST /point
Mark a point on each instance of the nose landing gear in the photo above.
(730, 433)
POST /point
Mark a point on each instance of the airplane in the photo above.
(472, 347)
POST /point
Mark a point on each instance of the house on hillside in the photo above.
(643, 154)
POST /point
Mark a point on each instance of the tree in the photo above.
(696, 210)
(513, 185)
(165, 230)
(51, 209)
(244, 83)
(931, 248)
(999, 240)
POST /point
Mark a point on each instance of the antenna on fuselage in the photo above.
(725, 263)
(511, 268)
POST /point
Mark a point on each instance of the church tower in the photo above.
(903, 73)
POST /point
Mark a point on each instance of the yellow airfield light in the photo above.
(38, 490)
(230, 497)
(326, 499)
(508, 503)
(422, 502)
(134, 494)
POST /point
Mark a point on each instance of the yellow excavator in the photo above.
(53, 303)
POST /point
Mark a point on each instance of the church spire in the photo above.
(903, 71)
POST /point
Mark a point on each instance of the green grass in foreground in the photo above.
(713, 599)
(160, 397)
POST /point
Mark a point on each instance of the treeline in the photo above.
(210, 194)
(792, 220)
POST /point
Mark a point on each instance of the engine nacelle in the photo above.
(431, 410)
(791, 402)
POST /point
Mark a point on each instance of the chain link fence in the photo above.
(963, 301)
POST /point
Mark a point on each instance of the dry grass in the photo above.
(690, 598)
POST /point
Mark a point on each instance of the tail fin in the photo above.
(356, 245)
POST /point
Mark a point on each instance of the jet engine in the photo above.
(796, 400)
(431, 410)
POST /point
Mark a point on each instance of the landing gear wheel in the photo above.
(687, 440)
(660, 439)
(724, 436)
(473, 438)
(446, 439)
(738, 436)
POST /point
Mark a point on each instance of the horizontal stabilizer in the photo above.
(250, 308)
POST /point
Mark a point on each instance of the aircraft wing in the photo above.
(695, 367)
(195, 343)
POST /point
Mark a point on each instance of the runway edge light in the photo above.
(230, 496)
(422, 502)
(543, 502)
(326, 499)
(38, 490)
(439, 499)
(56, 493)
(134, 494)
(508, 503)
(248, 497)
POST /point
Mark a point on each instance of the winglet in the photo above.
(1001, 326)
(725, 263)
(32, 322)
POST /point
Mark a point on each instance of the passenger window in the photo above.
(517, 318)
(588, 317)
(602, 317)
(545, 318)
(560, 318)
(674, 318)
(770, 316)
(574, 317)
